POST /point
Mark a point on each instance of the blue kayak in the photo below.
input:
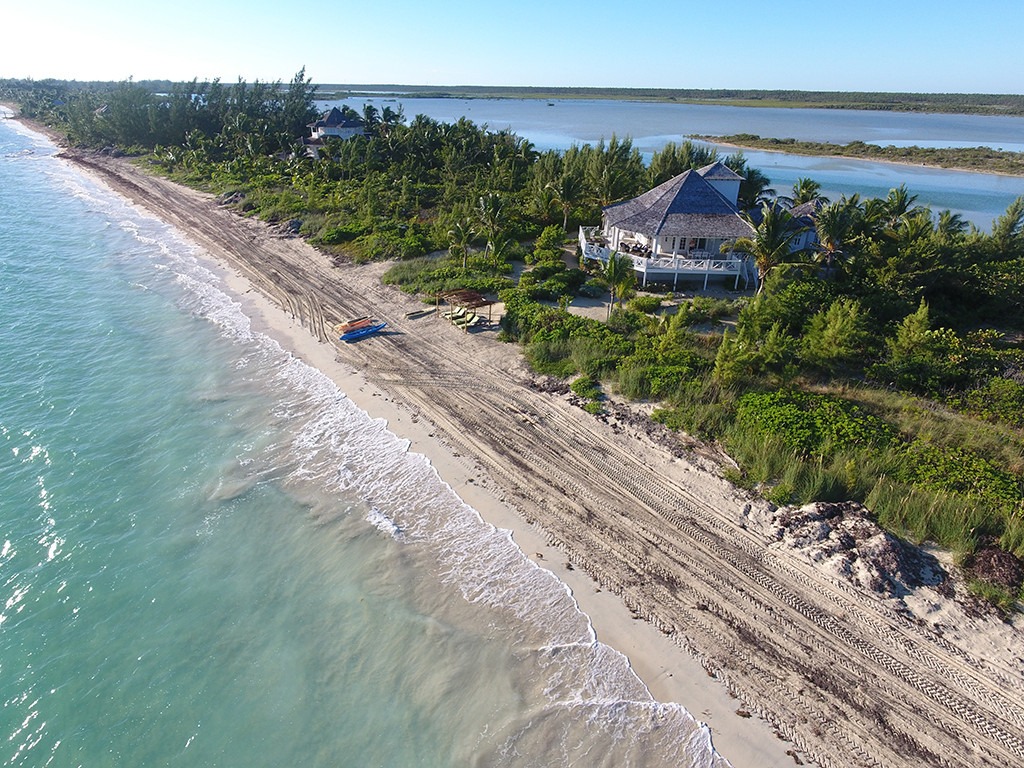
(358, 333)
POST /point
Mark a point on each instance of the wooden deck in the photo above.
(662, 267)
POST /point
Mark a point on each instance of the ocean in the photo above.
(210, 557)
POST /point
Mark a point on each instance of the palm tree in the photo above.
(770, 243)
(950, 225)
(459, 237)
(568, 192)
(805, 190)
(371, 118)
(490, 210)
(897, 208)
(619, 275)
(833, 225)
(755, 189)
(542, 201)
(392, 117)
(501, 248)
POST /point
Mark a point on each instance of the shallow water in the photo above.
(210, 556)
(978, 197)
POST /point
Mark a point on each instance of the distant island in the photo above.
(952, 103)
(948, 103)
(981, 159)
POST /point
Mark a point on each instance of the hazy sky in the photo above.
(895, 45)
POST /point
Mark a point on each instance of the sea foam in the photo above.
(594, 709)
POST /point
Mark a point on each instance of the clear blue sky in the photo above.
(895, 45)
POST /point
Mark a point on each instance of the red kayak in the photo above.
(353, 324)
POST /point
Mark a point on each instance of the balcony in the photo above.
(664, 266)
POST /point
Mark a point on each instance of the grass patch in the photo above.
(1003, 599)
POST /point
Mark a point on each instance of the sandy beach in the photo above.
(792, 648)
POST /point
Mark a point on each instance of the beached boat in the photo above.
(353, 324)
(366, 330)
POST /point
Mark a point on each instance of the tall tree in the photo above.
(771, 241)
(619, 275)
(613, 170)
(459, 237)
(833, 225)
(1008, 229)
(805, 190)
(490, 211)
(674, 159)
(755, 189)
(298, 108)
(568, 193)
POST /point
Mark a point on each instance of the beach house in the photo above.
(677, 230)
(331, 124)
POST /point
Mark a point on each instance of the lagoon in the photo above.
(978, 197)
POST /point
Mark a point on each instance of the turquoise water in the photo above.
(209, 556)
(978, 197)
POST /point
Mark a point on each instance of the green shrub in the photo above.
(701, 407)
(839, 335)
(340, 233)
(551, 356)
(378, 246)
(812, 425)
(586, 387)
(593, 288)
(547, 249)
(410, 272)
(593, 356)
(626, 322)
(645, 304)
(641, 382)
(549, 282)
(960, 471)
(997, 400)
(787, 304)
(931, 361)
(701, 309)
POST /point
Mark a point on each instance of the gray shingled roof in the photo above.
(686, 205)
(807, 212)
(719, 171)
(334, 119)
(802, 215)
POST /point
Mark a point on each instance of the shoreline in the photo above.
(676, 569)
(902, 163)
(669, 673)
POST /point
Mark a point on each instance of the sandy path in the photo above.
(849, 678)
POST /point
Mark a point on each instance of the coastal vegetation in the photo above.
(951, 103)
(982, 159)
(884, 365)
(948, 103)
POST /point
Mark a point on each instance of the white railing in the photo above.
(694, 263)
(688, 265)
(590, 246)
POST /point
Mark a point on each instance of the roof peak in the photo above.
(719, 171)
